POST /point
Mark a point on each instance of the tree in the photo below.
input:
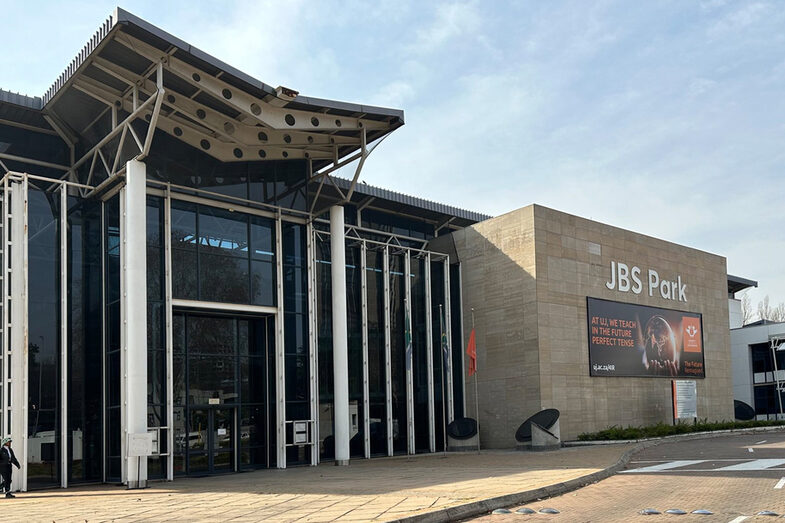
(774, 313)
(747, 314)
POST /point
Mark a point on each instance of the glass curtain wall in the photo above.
(43, 402)
(377, 374)
(112, 337)
(297, 366)
(222, 256)
(275, 182)
(156, 332)
(355, 350)
(324, 312)
(85, 406)
(376, 330)
(419, 355)
(397, 353)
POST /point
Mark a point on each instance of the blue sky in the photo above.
(667, 117)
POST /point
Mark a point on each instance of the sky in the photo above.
(663, 117)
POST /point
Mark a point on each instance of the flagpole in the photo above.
(476, 396)
(444, 379)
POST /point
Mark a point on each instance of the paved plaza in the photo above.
(386, 489)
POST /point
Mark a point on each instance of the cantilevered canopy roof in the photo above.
(131, 72)
(736, 284)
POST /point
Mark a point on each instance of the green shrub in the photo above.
(661, 429)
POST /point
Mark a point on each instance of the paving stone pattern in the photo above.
(368, 490)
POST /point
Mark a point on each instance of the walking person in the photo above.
(7, 458)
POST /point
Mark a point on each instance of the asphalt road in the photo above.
(734, 477)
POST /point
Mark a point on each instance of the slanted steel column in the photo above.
(340, 336)
(133, 319)
(19, 329)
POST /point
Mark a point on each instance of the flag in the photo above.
(408, 336)
(471, 350)
(445, 346)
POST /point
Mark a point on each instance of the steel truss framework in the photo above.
(166, 96)
(13, 420)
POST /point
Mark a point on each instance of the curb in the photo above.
(484, 506)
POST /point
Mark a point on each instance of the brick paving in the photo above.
(368, 490)
(730, 495)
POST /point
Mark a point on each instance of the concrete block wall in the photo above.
(573, 259)
(498, 271)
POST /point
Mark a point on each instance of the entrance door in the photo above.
(211, 440)
(220, 371)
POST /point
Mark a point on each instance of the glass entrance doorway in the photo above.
(211, 440)
(223, 391)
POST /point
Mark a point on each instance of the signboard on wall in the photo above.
(640, 341)
(685, 399)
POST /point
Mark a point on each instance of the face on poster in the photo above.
(636, 340)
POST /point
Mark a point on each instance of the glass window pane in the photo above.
(252, 380)
(156, 377)
(184, 274)
(222, 232)
(178, 377)
(210, 335)
(263, 283)
(223, 278)
(262, 238)
(211, 377)
(183, 225)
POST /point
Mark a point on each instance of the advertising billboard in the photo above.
(639, 341)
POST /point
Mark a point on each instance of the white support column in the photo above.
(133, 319)
(409, 355)
(340, 336)
(19, 329)
(280, 359)
(6, 353)
(169, 334)
(448, 331)
(387, 351)
(366, 392)
(313, 344)
(429, 351)
(464, 370)
(64, 335)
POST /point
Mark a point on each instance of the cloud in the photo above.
(738, 19)
(394, 94)
(452, 20)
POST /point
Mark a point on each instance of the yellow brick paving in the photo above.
(368, 490)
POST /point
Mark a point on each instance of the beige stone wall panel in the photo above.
(527, 274)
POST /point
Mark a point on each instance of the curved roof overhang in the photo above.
(131, 72)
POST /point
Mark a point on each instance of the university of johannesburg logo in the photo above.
(691, 339)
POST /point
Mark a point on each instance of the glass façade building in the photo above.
(187, 289)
